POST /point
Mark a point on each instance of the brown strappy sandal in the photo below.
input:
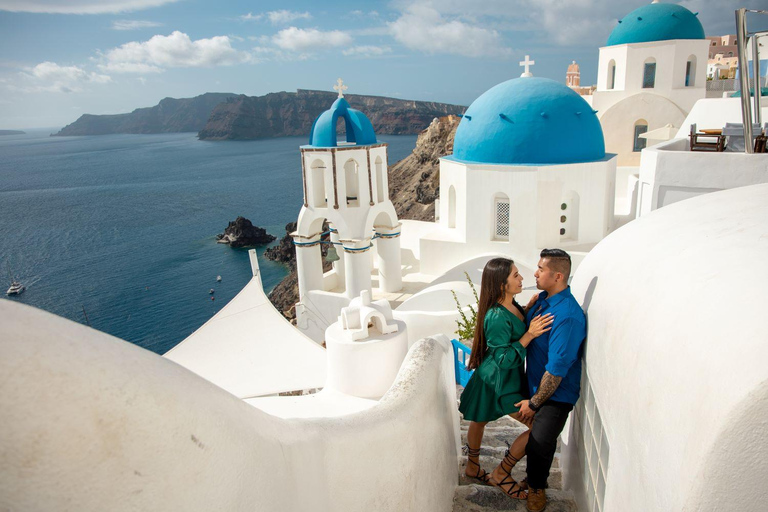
(516, 490)
(482, 475)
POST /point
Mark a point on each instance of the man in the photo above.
(554, 369)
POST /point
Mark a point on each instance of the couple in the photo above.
(547, 334)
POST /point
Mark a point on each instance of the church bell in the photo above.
(331, 255)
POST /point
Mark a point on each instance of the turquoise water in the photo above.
(123, 226)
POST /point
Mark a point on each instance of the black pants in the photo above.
(540, 450)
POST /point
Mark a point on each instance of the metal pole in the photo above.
(746, 106)
(756, 79)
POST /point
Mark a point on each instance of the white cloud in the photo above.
(367, 51)
(302, 40)
(283, 16)
(280, 17)
(80, 6)
(263, 53)
(358, 14)
(423, 28)
(529, 24)
(50, 77)
(134, 24)
(174, 51)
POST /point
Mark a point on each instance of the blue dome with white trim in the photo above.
(656, 22)
(358, 127)
(529, 121)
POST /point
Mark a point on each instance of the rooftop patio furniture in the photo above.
(761, 144)
(701, 141)
(735, 136)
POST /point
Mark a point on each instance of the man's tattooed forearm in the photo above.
(547, 388)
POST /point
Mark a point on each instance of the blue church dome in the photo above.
(656, 22)
(358, 127)
(529, 121)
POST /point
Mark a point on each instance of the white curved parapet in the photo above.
(247, 347)
(93, 423)
(674, 407)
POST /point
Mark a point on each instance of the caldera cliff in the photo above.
(168, 116)
(292, 113)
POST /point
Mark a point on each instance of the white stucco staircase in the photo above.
(471, 496)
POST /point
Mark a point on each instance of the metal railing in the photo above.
(723, 85)
(742, 38)
(461, 354)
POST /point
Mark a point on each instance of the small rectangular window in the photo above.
(502, 220)
(649, 75)
(639, 141)
(688, 73)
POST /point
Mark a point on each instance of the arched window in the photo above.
(352, 181)
(690, 71)
(641, 126)
(649, 73)
(501, 217)
(317, 182)
(611, 75)
(452, 207)
(380, 192)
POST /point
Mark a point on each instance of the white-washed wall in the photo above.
(535, 195)
(675, 360)
(93, 423)
(670, 173)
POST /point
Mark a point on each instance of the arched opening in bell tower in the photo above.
(352, 182)
(317, 182)
(380, 192)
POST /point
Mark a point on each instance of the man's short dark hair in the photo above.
(557, 260)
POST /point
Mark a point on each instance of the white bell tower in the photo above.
(346, 185)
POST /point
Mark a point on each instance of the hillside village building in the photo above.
(650, 73)
(673, 409)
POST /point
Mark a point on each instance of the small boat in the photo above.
(212, 291)
(15, 289)
(218, 279)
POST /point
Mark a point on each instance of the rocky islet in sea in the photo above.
(242, 233)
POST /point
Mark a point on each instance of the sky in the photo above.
(61, 59)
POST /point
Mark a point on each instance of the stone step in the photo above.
(488, 462)
(471, 496)
(493, 428)
(495, 441)
(481, 498)
(555, 480)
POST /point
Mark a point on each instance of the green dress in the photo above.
(499, 382)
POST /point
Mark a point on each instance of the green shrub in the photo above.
(466, 324)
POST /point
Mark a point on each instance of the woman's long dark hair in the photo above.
(494, 280)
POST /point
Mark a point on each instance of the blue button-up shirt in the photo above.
(558, 351)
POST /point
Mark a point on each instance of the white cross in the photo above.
(527, 63)
(340, 87)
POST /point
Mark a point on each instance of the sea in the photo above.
(118, 231)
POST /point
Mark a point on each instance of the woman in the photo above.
(498, 357)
